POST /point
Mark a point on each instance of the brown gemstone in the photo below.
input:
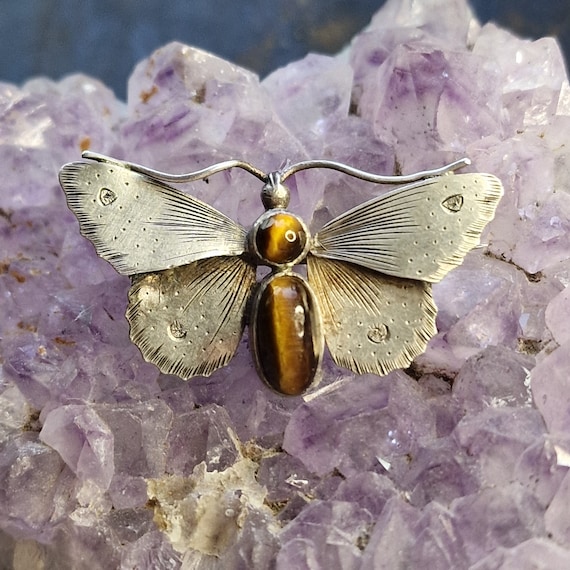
(287, 339)
(280, 238)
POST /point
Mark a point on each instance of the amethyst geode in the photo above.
(460, 462)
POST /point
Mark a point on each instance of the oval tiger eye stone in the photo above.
(280, 238)
(287, 338)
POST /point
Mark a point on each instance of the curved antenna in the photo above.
(368, 176)
(180, 178)
(281, 175)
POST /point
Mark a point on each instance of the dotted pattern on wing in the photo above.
(189, 320)
(373, 323)
(420, 231)
(141, 225)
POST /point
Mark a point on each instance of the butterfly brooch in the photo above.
(193, 269)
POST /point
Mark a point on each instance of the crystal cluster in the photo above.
(460, 462)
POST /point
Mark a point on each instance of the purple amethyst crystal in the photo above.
(459, 462)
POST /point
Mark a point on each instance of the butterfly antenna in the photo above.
(368, 176)
(179, 178)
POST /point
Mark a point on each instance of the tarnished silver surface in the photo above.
(274, 194)
(141, 225)
(194, 269)
(373, 323)
(420, 231)
(189, 320)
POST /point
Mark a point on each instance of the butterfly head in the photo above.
(275, 194)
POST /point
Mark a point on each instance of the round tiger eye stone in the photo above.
(280, 238)
(287, 338)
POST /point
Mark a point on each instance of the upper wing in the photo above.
(372, 322)
(189, 320)
(420, 231)
(141, 225)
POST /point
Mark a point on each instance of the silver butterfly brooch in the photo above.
(193, 269)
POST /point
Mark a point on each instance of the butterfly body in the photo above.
(286, 335)
(369, 271)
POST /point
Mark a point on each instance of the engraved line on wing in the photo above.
(186, 209)
(390, 206)
(361, 290)
(236, 274)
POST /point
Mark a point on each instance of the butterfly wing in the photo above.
(419, 231)
(141, 225)
(189, 320)
(373, 323)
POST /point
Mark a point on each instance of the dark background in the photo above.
(105, 38)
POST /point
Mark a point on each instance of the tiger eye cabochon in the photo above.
(280, 237)
(287, 339)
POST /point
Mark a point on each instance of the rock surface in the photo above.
(460, 462)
